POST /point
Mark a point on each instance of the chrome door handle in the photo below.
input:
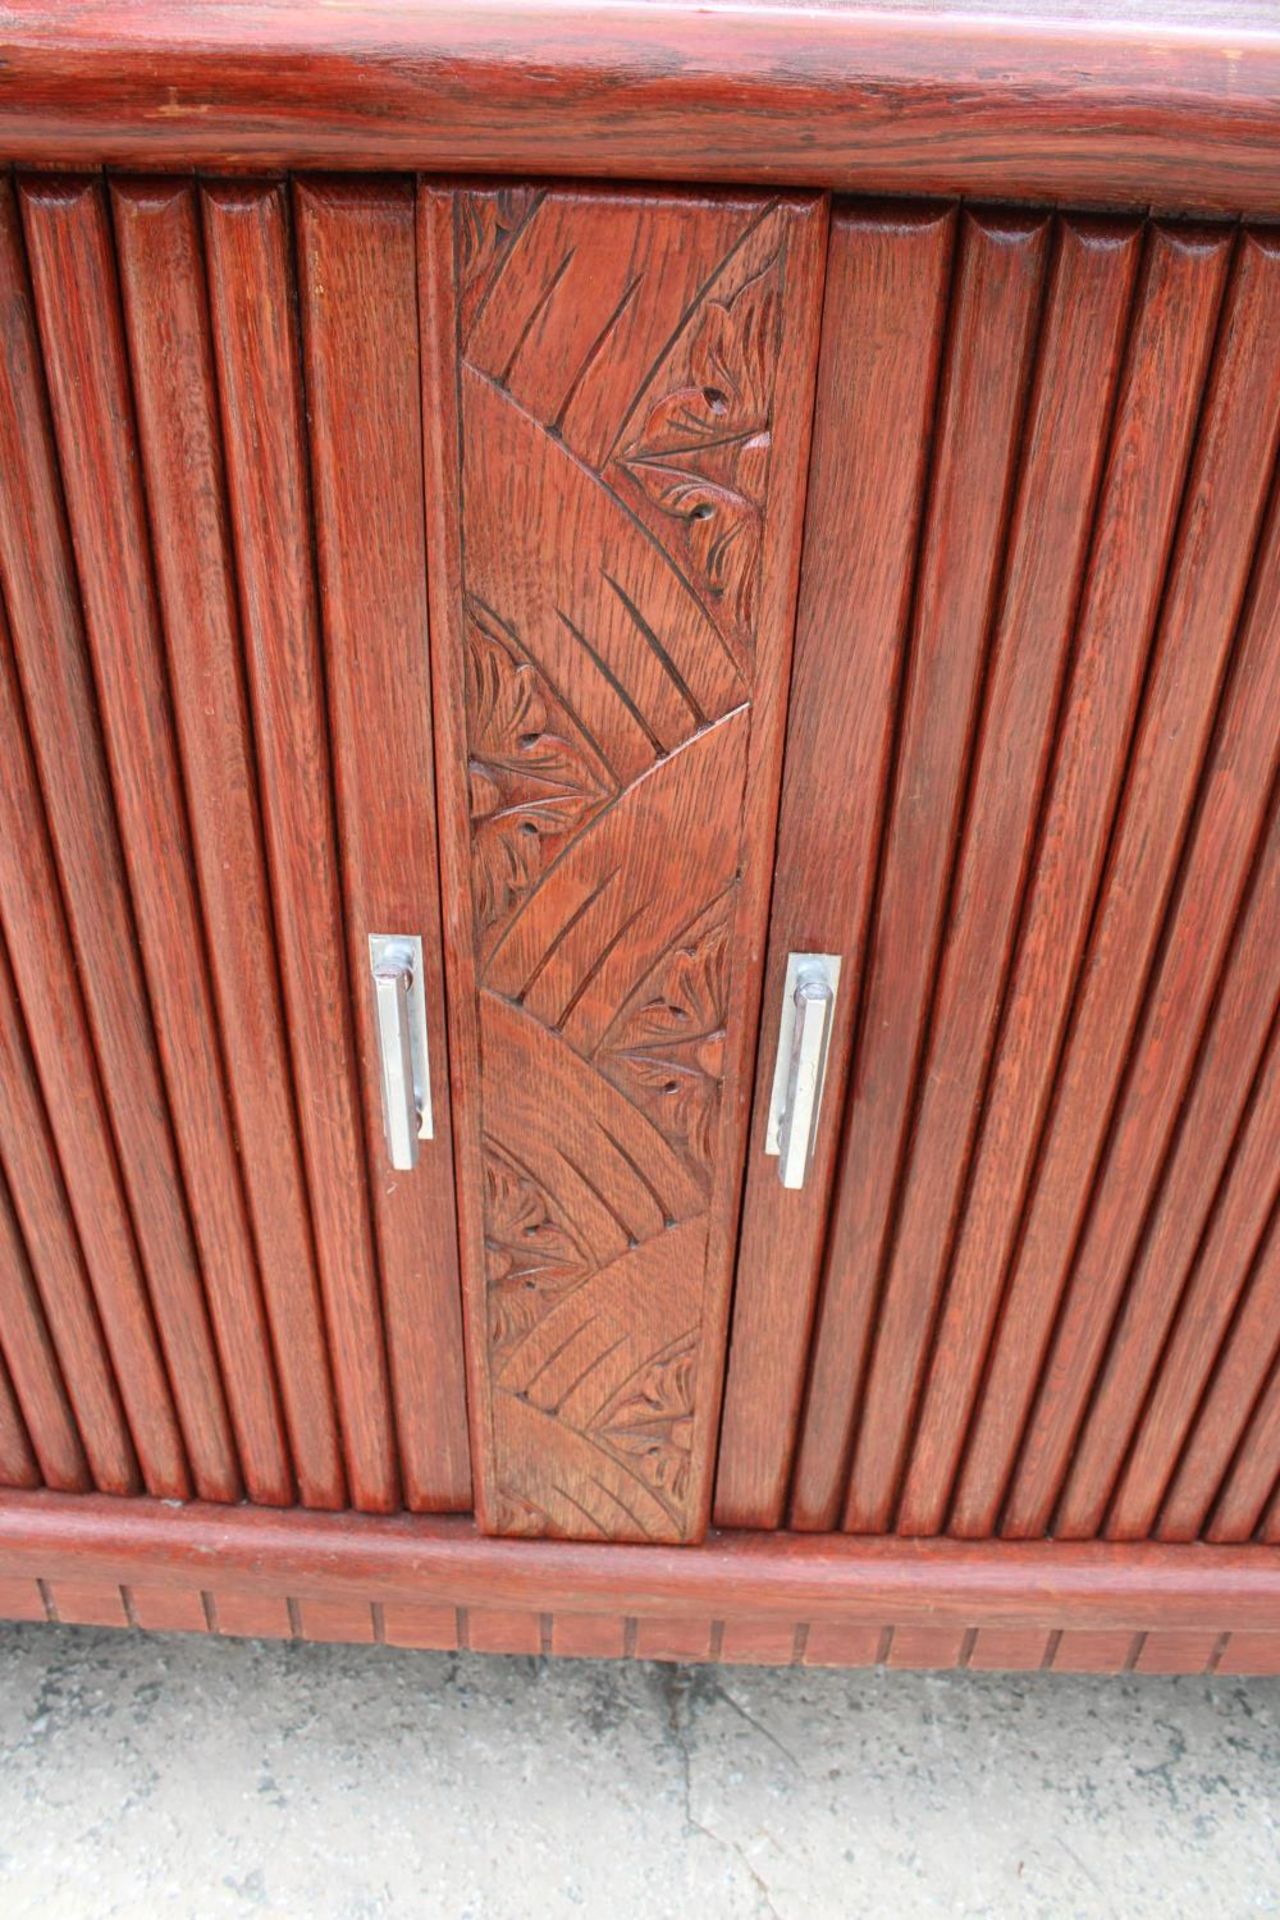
(395, 960)
(804, 1036)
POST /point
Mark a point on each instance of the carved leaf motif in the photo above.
(488, 222)
(667, 1050)
(531, 1259)
(533, 785)
(701, 455)
(650, 1428)
(517, 1516)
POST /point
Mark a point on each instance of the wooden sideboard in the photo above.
(639, 845)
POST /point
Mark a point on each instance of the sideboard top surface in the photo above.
(1172, 104)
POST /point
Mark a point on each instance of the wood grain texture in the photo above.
(177, 1048)
(887, 277)
(157, 236)
(1195, 1388)
(18, 1465)
(224, 1611)
(1063, 440)
(31, 1366)
(990, 352)
(1178, 863)
(259, 374)
(436, 1581)
(1111, 103)
(1245, 1506)
(358, 289)
(1230, 1462)
(1218, 957)
(1032, 796)
(43, 1233)
(1182, 1280)
(48, 689)
(1058, 1155)
(620, 387)
(1170, 340)
(1186, 1652)
(1010, 1649)
(78, 307)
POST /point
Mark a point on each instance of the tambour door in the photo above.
(215, 715)
(1026, 1276)
(618, 398)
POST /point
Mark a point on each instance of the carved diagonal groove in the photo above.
(617, 367)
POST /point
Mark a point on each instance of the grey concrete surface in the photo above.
(169, 1777)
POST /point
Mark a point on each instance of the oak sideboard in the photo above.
(639, 828)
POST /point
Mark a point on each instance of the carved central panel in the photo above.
(616, 361)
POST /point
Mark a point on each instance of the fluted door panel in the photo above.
(213, 1285)
(1029, 1286)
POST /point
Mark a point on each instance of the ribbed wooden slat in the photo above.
(988, 365)
(260, 383)
(888, 273)
(1148, 984)
(18, 1466)
(1236, 1421)
(43, 1221)
(359, 295)
(1208, 570)
(78, 305)
(33, 1364)
(1247, 1503)
(1062, 446)
(1209, 1369)
(1168, 352)
(66, 771)
(157, 233)
(1139, 1419)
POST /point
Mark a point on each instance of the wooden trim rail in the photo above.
(1105, 106)
(776, 1598)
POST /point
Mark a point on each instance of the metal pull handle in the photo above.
(804, 1035)
(396, 964)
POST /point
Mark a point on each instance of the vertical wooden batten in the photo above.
(359, 299)
(91, 1033)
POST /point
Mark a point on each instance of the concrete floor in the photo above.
(171, 1777)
